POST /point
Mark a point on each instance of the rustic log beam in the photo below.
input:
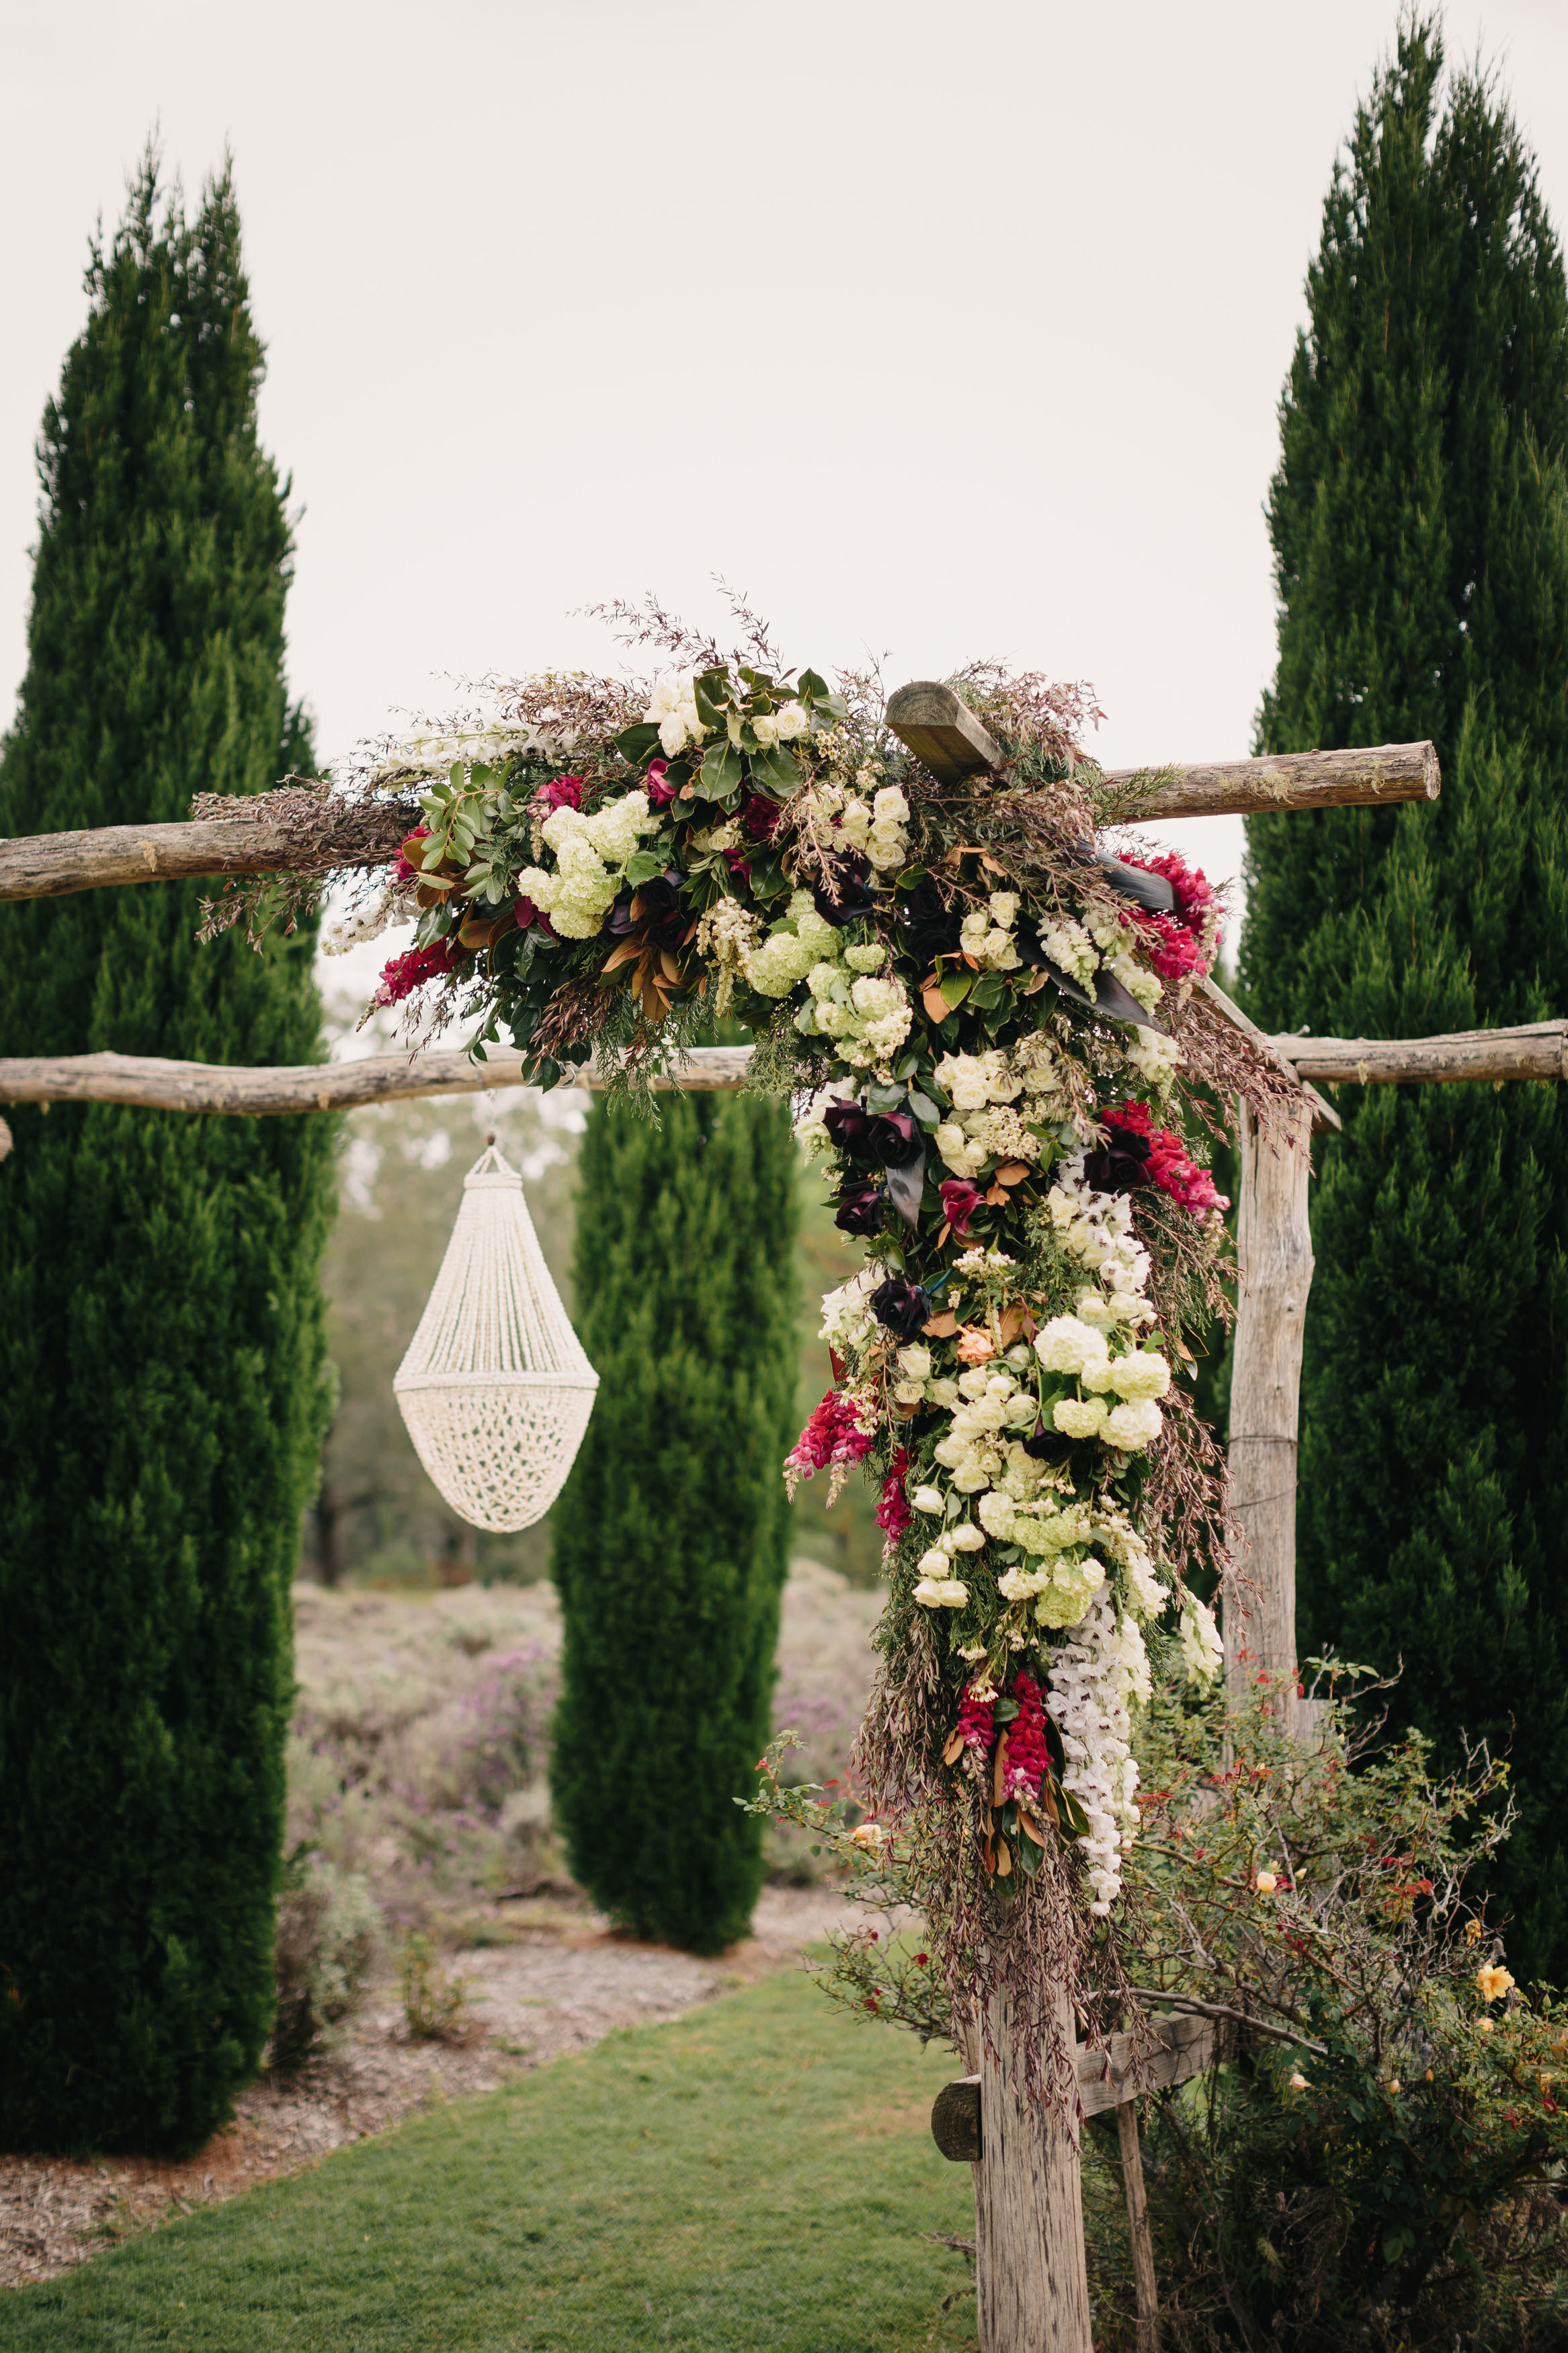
(1538, 1051)
(1274, 1253)
(1141, 2240)
(54, 865)
(1030, 2277)
(312, 1086)
(942, 732)
(1368, 778)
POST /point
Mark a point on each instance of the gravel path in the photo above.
(565, 1983)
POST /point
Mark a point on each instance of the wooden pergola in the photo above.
(1032, 2288)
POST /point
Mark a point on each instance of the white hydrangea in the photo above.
(1132, 1426)
(1065, 1345)
(1080, 1416)
(1066, 1588)
(865, 959)
(1143, 1373)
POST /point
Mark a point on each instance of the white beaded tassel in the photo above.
(495, 1388)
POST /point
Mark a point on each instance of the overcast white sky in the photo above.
(943, 330)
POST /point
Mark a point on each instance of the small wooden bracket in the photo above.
(1168, 2051)
(941, 731)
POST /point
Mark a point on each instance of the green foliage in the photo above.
(160, 1314)
(756, 2175)
(436, 2006)
(1420, 532)
(328, 1931)
(671, 1536)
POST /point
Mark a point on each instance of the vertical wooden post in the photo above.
(1145, 2286)
(1274, 1254)
(1031, 2280)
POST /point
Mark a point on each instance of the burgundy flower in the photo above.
(1162, 1160)
(530, 918)
(758, 818)
(659, 792)
(561, 792)
(1027, 1758)
(894, 1513)
(977, 1726)
(930, 928)
(860, 1210)
(902, 1307)
(739, 864)
(960, 1200)
(833, 1435)
(887, 1139)
(403, 871)
(402, 975)
(848, 1130)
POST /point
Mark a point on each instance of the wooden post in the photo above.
(1274, 1251)
(1031, 2279)
(1144, 2286)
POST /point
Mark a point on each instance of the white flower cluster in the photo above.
(590, 853)
(1068, 945)
(790, 953)
(810, 1127)
(847, 1323)
(1069, 1344)
(395, 904)
(983, 1089)
(865, 1014)
(1092, 1678)
(781, 726)
(986, 932)
(436, 753)
(1202, 1653)
(728, 935)
(1098, 1229)
(1155, 1058)
(672, 709)
(878, 827)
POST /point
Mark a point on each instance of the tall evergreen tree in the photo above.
(1419, 520)
(672, 1534)
(160, 1310)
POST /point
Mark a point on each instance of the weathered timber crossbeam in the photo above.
(929, 718)
(54, 865)
(1538, 1051)
(944, 735)
(309, 1086)
(1170, 2051)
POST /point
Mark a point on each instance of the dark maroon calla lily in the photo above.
(960, 1200)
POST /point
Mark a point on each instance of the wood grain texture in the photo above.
(309, 1087)
(1031, 2284)
(1383, 773)
(54, 865)
(1168, 2051)
(1145, 2287)
(1274, 1253)
(956, 2121)
(941, 731)
(1538, 1051)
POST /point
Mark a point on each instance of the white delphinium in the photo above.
(1137, 979)
(848, 1321)
(1202, 1653)
(1097, 1670)
(1155, 1058)
(395, 904)
(1068, 946)
(728, 934)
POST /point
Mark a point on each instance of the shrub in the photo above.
(328, 1931)
(434, 2005)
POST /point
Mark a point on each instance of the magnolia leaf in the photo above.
(954, 1749)
(954, 987)
(643, 865)
(635, 743)
(941, 1327)
(935, 1005)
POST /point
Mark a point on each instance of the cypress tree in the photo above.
(1420, 531)
(672, 1534)
(160, 1310)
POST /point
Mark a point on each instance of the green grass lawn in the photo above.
(757, 2176)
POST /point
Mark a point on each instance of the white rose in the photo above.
(942, 1593)
(765, 728)
(927, 1499)
(673, 734)
(932, 1564)
(790, 723)
(966, 1538)
(914, 1362)
(889, 806)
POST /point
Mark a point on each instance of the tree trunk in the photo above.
(1274, 1250)
(1030, 2277)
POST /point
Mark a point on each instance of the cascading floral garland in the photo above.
(998, 1044)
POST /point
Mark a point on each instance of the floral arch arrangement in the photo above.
(999, 1043)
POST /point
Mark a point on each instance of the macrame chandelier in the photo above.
(495, 1388)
